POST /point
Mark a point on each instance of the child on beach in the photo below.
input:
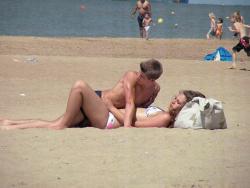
(240, 18)
(219, 28)
(212, 30)
(243, 43)
(147, 20)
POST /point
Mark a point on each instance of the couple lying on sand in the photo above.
(126, 104)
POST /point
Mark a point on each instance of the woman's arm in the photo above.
(160, 120)
(119, 115)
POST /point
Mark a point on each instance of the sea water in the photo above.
(111, 18)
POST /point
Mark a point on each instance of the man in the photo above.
(135, 89)
(143, 7)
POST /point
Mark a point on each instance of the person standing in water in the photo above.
(212, 30)
(143, 7)
(147, 21)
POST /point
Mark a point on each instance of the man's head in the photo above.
(151, 68)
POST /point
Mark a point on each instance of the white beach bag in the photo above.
(201, 113)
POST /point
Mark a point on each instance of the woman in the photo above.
(156, 117)
(97, 114)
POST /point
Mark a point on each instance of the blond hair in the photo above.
(211, 15)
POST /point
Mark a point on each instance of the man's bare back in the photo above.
(145, 90)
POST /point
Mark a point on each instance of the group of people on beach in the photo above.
(126, 104)
(239, 29)
(144, 17)
(216, 27)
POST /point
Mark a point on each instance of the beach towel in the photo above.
(201, 113)
(221, 54)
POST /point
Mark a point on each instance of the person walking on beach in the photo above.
(147, 21)
(86, 106)
(143, 7)
(212, 30)
(243, 43)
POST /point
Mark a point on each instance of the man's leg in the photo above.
(140, 20)
(235, 50)
(234, 61)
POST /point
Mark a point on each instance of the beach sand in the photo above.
(36, 75)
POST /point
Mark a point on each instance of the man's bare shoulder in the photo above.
(130, 77)
(131, 74)
(147, 2)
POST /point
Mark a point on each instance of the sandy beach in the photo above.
(35, 77)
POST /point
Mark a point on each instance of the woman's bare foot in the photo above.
(2, 120)
(7, 127)
(5, 122)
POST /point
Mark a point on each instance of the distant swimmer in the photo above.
(143, 7)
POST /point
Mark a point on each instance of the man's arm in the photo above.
(116, 112)
(130, 80)
(134, 10)
(247, 26)
(233, 30)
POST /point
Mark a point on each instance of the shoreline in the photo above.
(188, 49)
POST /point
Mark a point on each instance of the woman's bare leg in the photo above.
(17, 122)
(35, 123)
(26, 124)
(81, 95)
